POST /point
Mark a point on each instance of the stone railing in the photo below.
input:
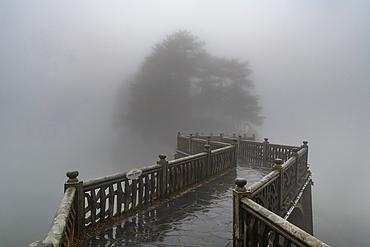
(89, 203)
(264, 153)
(260, 227)
(256, 153)
(111, 196)
(274, 191)
(257, 210)
(187, 145)
(64, 227)
(289, 163)
(218, 137)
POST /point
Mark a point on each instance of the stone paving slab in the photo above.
(201, 217)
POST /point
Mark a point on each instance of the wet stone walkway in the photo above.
(201, 217)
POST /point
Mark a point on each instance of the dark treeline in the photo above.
(182, 87)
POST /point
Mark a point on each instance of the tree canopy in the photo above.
(181, 87)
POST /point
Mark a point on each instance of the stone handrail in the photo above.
(61, 232)
(268, 229)
(180, 154)
(218, 137)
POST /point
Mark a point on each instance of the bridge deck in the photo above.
(201, 217)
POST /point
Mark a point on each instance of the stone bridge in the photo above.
(274, 210)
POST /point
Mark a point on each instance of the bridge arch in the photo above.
(301, 215)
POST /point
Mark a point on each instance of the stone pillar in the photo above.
(164, 163)
(306, 146)
(211, 136)
(279, 167)
(208, 139)
(265, 151)
(196, 135)
(221, 135)
(190, 149)
(176, 155)
(235, 144)
(209, 160)
(178, 137)
(79, 201)
(238, 193)
(239, 144)
(295, 154)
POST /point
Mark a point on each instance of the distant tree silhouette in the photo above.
(181, 87)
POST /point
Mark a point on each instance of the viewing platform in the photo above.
(200, 217)
(193, 201)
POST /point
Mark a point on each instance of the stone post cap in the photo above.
(72, 176)
(162, 160)
(278, 165)
(162, 156)
(266, 139)
(305, 144)
(240, 184)
(207, 146)
(278, 161)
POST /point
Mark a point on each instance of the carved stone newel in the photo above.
(239, 192)
(164, 163)
(79, 200)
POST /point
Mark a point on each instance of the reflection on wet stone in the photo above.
(201, 217)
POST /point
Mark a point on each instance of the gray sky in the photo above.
(61, 63)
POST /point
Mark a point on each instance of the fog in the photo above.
(62, 64)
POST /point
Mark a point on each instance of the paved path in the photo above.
(201, 217)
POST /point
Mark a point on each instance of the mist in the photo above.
(64, 64)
